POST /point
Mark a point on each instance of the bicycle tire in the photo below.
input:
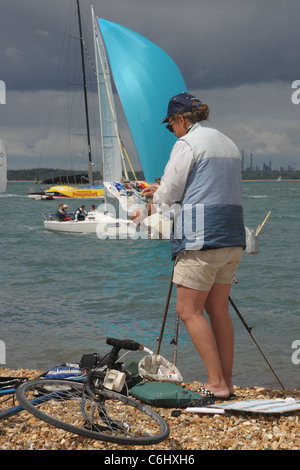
(60, 403)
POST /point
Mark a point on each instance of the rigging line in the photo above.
(131, 167)
(85, 95)
(84, 13)
(90, 72)
(89, 58)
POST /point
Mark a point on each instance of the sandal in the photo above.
(205, 392)
(208, 394)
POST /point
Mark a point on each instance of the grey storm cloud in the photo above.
(239, 56)
(215, 43)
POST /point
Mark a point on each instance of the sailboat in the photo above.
(145, 77)
(3, 168)
(103, 221)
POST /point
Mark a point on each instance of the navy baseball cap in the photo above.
(182, 102)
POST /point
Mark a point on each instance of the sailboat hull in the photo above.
(71, 192)
(104, 225)
(37, 196)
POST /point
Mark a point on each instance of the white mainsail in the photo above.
(111, 145)
(3, 168)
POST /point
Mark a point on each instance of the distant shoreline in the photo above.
(39, 175)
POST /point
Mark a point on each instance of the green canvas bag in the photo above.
(165, 394)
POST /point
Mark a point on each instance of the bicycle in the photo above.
(92, 408)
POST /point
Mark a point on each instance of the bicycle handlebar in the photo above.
(120, 344)
(124, 344)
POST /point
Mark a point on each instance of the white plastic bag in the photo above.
(156, 367)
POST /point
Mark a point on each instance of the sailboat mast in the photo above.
(90, 168)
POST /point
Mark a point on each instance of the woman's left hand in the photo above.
(149, 191)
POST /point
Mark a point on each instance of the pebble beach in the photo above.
(188, 431)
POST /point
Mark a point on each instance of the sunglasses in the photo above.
(169, 126)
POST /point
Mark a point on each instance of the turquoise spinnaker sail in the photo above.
(145, 78)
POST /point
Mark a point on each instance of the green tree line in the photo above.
(40, 174)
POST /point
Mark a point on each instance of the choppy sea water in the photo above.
(63, 294)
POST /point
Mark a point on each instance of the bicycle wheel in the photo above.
(109, 416)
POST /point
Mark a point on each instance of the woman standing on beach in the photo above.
(202, 181)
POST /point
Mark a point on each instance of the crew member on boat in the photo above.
(80, 213)
(61, 213)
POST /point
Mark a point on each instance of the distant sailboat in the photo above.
(279, 179)
(3, 169)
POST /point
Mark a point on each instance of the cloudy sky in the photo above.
(241, 57)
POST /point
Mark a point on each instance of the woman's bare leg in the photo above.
(190, 308)
(217, 309)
